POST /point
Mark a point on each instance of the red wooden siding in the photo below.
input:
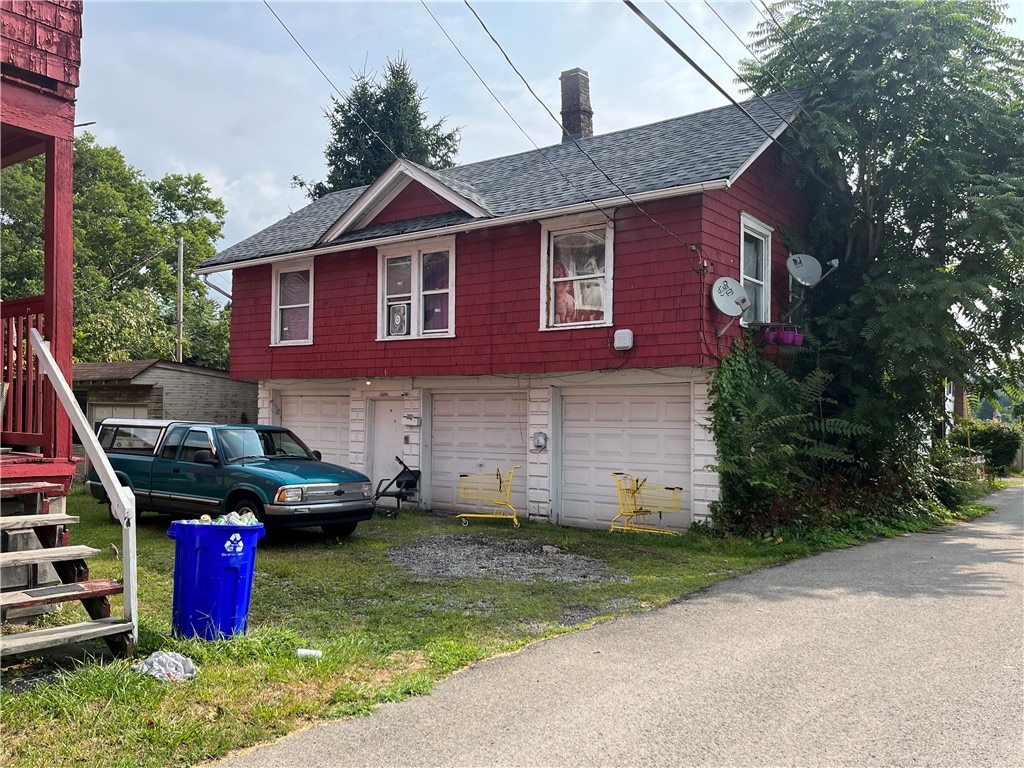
(766, 192)
(411, 203)
(44, 38)
(659, 293)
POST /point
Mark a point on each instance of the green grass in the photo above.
(384, 634)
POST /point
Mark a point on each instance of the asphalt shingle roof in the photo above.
(701, 147)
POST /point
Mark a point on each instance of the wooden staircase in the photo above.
(40, 569)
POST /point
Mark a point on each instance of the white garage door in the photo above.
(476, 433)
(321, 421)
(641, 430)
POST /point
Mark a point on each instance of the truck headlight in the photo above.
(367, 492)
(288, 495)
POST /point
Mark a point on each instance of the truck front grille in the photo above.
(324, 494)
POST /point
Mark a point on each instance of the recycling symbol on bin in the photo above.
(234, 543)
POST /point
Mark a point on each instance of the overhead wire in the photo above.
(796, 102)
(510, 115)
(689, 60)
(701, 267)
(732, 69)
(328, 79)
(573, 138)
(770, 18)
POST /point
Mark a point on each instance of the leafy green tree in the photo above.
(126, 228)
(374, 114)
(912, 145)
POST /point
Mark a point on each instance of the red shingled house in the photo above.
(39, 70)
(549, 309)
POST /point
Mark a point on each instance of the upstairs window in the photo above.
(755, 268)
(293, 304)
(417, 290)
(576, 272)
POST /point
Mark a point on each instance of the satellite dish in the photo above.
(729, 297)
(805, 269)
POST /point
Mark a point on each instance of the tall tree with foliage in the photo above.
(914, 131)
(126, 228)
(375, 121)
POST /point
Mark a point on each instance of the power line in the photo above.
(329, 81)
(776, 80)
(674, 46)
(792, 44)
(573, 139)
(510, 116)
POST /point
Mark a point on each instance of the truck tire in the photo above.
(339, 530)
(249, 504)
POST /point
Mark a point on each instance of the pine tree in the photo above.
(375, 121)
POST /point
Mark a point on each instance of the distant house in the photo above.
(159, 389)
(550, 309)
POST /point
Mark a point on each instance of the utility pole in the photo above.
(181, 296)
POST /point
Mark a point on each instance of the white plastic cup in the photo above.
(308, 653)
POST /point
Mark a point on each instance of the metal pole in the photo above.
(181, 296)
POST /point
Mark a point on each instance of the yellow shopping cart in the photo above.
(493, 487)
(639, 498)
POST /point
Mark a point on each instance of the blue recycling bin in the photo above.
(213, 571)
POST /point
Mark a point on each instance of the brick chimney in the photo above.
(577, 116)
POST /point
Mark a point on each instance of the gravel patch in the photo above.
(451, 556)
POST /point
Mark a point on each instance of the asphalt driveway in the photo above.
(901, 652)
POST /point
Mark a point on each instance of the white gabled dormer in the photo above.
(390, 184)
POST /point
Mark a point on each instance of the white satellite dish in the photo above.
(805, 269)
(729, 297)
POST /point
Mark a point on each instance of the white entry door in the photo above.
(385, 442)
(321, 422)
(643, 430)
(479, 434)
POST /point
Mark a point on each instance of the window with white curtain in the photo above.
(293, 304)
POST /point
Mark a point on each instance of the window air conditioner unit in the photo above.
(398, 320)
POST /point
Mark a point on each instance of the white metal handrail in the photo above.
(122, 500)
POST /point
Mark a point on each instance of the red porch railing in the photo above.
(28, 412)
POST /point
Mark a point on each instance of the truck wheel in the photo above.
(339, 530)
(249, 504)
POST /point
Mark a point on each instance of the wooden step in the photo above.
(38, 639)
(62, 593)
(20, 489)
(17, 522)
(47, 555)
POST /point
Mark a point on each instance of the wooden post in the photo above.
(58, 279)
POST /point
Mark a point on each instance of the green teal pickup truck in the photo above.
(194, 468)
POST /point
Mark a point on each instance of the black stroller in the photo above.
(401, 487)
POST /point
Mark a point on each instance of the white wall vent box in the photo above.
(623, 339)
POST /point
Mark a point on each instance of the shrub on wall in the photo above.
(774, 439)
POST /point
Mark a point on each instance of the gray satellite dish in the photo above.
(729, 297)
(805, 269)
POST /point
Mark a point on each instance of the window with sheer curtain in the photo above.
(417, 293)
(293, 305)
(755, 269)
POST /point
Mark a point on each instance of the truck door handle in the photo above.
(176, 470)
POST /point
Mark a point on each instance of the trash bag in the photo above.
(167, 666)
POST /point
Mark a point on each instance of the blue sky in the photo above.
(221, 89)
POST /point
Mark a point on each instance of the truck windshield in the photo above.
(239, 443)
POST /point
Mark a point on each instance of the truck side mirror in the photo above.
(203, 456)
(318, 456)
